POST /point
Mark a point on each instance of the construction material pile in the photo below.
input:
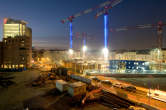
(6, 81)
(44, 79)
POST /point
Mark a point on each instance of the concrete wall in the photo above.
(1, 57)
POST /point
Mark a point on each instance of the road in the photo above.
(139, 96)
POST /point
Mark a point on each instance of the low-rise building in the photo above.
(150, 55)
(155, 57)
(61, 85)
(77, 88)
(129, 66)
(80, 66)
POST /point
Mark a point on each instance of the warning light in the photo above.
(5, 20)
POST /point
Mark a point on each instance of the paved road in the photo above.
(139, 96)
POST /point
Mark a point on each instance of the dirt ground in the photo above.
(21, 95)
(54, 100)
(11, 98)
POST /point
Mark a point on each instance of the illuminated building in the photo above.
(1, 53)
(16, 44)
(12, 28)
(129, 66)
(156, 57)
(151, 55)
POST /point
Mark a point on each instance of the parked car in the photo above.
(108, 82)
(130, 88)
(136, 108)
(96, 79)
(118, 85)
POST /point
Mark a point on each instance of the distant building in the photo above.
(16, 44)
(155, 57)
(129, 66)
(79, 66)
(150, 55)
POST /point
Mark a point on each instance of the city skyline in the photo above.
(49, 32)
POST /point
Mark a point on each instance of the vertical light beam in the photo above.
(71, 39)
(84, 41)
(105, 30)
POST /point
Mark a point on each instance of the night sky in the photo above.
(44, 18)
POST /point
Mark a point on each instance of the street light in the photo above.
(105, 52)
(84, 48)
(71, 51)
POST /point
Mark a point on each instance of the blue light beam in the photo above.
(71, 39)
(105, 30)
(84, 41)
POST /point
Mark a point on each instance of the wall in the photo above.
(1, 53)
(17, 52)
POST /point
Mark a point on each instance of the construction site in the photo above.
(93, 77)
(83, 79)
(59, 89)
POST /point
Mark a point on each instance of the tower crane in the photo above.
(159, 26)
(106, 28)
(110, 3)
(84, 38)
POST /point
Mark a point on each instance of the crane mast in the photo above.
(106, 5)
(159, 26)
(106, 28)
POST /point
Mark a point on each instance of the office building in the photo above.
(13, 28)
(16, 44)
(1, 57)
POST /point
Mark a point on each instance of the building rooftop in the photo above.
(13, 21)
(77, 84)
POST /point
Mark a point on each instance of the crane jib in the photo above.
(110, 3)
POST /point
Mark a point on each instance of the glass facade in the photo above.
(17, 44)
(13, 28)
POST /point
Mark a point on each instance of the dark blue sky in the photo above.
(44, 18)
